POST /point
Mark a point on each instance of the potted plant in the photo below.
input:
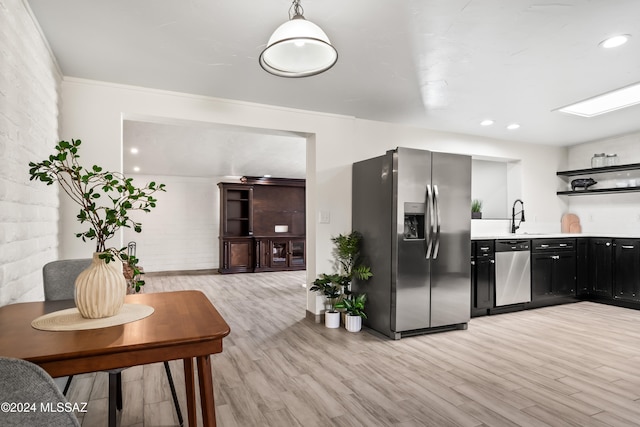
(354, 309)
(476, 209)
(347, 254)
(100, 289)
(348, 265)
(329, 286)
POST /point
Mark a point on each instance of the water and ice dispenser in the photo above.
(414, 217)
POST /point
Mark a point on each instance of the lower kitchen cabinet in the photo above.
(600, 267)
(582, 267)
(483, 276)
(626, 277)
(603, 270)
(236, 255)
(553, 271)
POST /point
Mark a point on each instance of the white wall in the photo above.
(93, 111)
(490, 185)
(181, 233)
(29, 81)
(612, 213)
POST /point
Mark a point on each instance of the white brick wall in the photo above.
(181, 233)
(29, 96)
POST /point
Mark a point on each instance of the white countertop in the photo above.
(521, 236)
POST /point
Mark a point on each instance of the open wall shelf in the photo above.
(605, 169)
(610, 172)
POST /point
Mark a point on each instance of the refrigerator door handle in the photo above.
(436, 203)
(428, 225)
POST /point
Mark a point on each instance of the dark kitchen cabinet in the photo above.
(553, 271)
(582, 267)
(483, 274)
(626, 280)
(600, 267)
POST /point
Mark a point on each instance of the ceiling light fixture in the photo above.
(513, 126)
(605, 103)
(487, 122)
(134, 150)
(136, 169)
(614, 41)
(298, 48)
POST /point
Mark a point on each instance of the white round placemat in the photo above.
(71, 320)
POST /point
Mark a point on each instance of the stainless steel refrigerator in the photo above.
(413, 208)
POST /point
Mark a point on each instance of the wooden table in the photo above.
(184, 325)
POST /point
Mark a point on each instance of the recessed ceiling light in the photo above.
(513, 126)
(605, 103)
(136, 169)
(614, 41)
(134, 150)
(487, 122)
(266, 176)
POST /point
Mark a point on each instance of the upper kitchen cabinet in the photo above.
(609, 179)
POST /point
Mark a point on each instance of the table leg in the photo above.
(206, 391)
(112, 404)
(190, 387)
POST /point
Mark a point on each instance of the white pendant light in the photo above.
(298, 48)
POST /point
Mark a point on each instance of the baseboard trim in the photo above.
(315, 318)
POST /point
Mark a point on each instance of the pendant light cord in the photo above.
(296, 10)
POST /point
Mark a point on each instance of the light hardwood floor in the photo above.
(571, 365)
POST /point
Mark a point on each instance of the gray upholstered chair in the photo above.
(59, 282)
(26, 383)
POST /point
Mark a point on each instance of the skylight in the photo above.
(605, 103)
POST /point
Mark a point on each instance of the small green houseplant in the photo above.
(476, 209)
(105, 199)
(329, 285)
(354, 309)
(353, 306)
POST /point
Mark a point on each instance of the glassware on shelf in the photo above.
(598, 160)
(611, 160)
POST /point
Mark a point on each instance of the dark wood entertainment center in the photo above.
(262, 225)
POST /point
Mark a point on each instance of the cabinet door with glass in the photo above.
(280, 254)
(297, 259)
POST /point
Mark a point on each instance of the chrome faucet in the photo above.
(514, 227)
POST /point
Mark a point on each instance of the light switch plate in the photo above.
(324, 217)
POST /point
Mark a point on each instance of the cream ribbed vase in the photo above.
(100, 289)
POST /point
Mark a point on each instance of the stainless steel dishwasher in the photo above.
(513, 272)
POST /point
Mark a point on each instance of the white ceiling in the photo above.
(440, 64)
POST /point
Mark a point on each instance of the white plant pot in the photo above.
(353, 323)
(100, 289)
(332, 319)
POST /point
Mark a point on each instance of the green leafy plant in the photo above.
(336, 286)
(353, 306)
(347, 254)
(476, 205)
(87, 188)
(330, 286)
